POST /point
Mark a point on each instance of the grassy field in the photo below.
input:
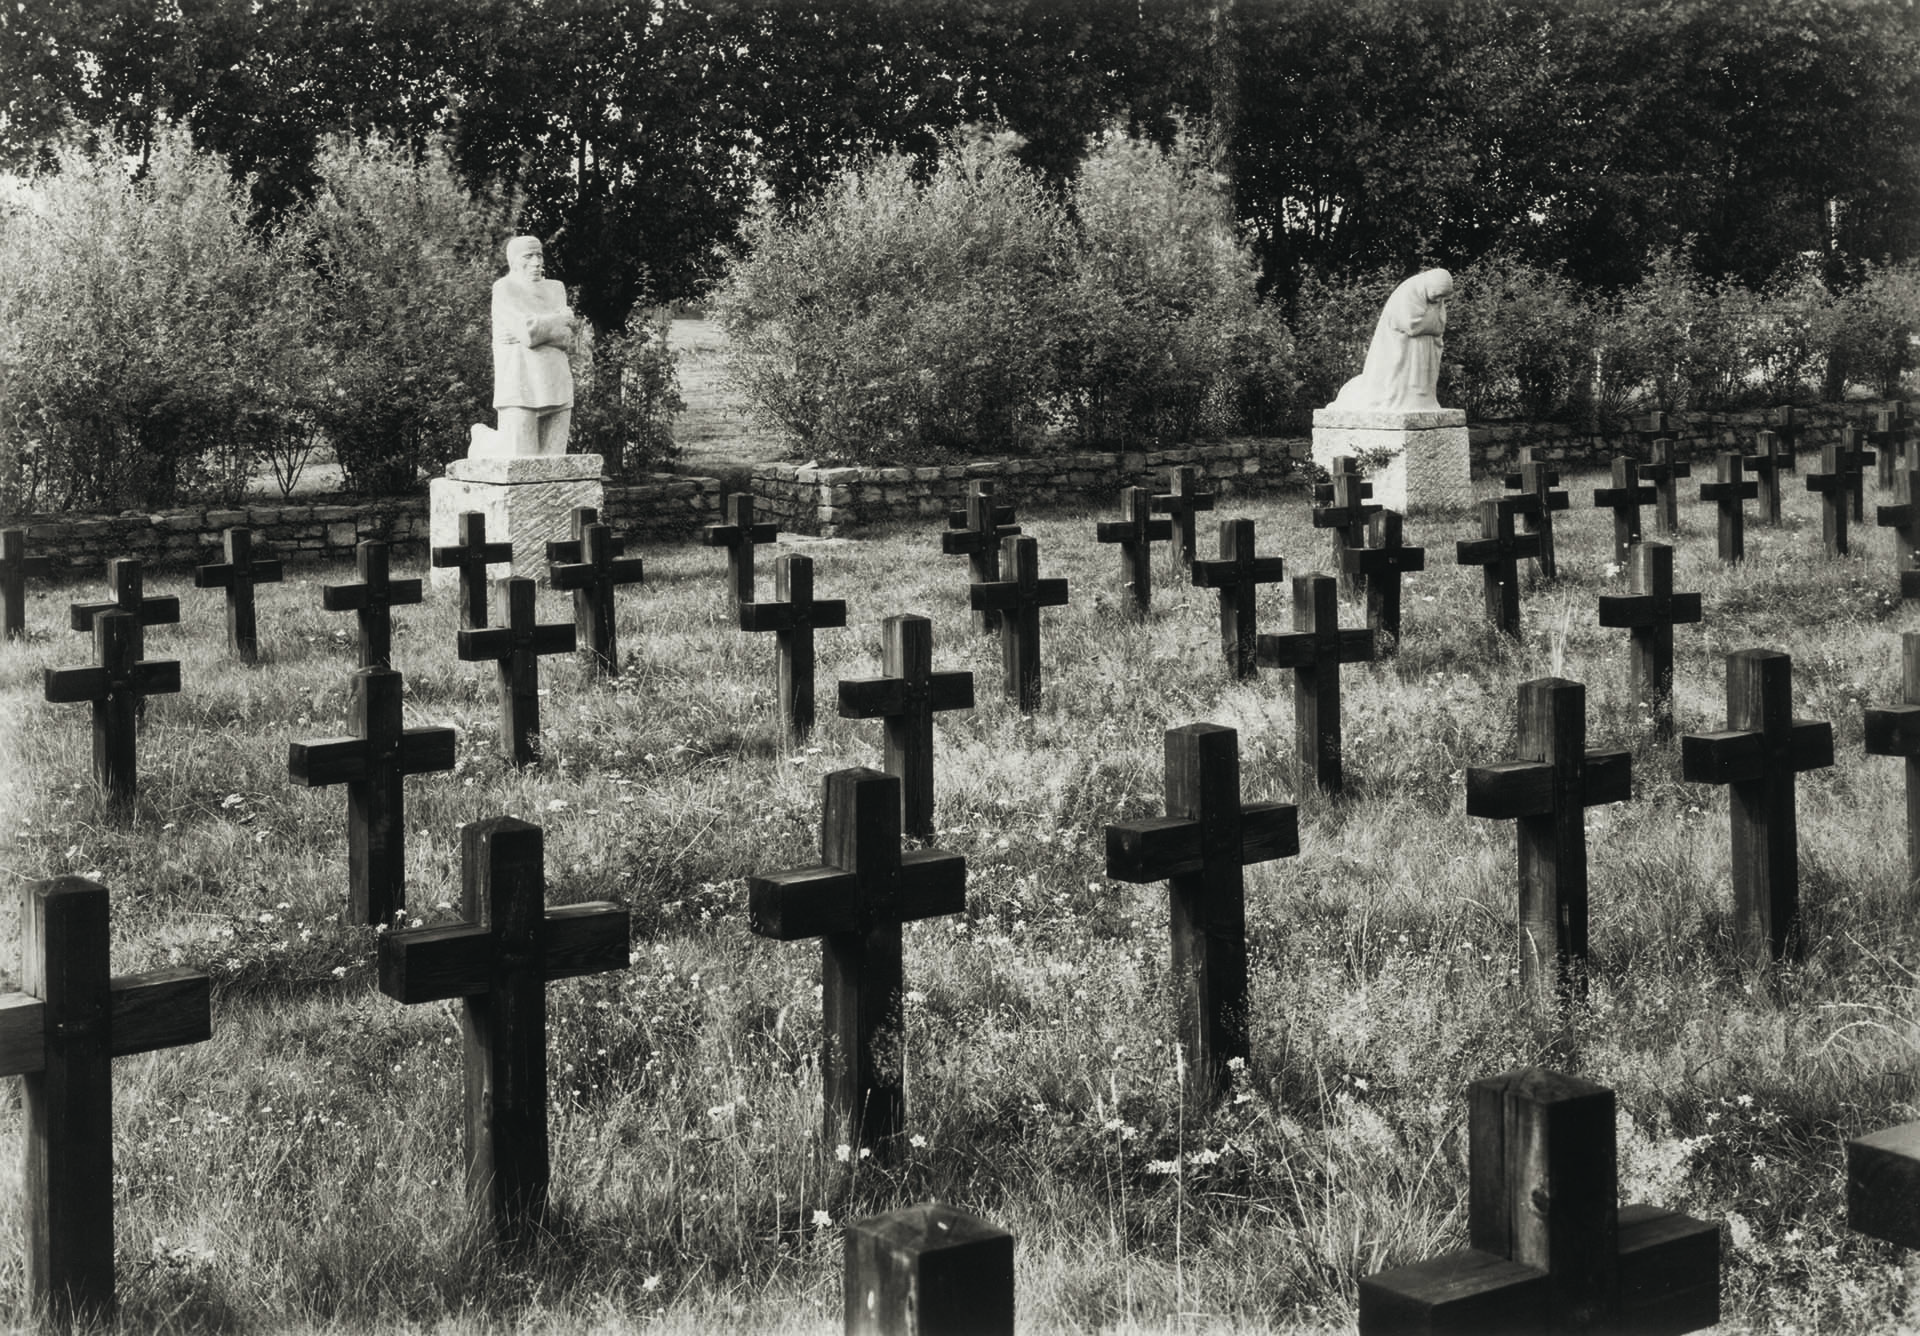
(302, 1171)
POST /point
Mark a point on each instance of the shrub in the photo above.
(1874, 328)
(624, 398)
(1792, 339)
(1519, 343)
(1332, 324)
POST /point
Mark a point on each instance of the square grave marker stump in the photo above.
(1883, 1185)
(928, 1270)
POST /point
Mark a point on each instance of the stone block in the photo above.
(528, 514)
(344, 534)
(518, 470)
(1416, 461)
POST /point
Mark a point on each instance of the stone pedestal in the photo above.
(1415, 461)
(528, 501)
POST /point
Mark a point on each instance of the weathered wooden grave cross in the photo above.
(927, 1270)
(1853, 459)
(1767, 466)
(794, 615)
(1624, 499)
(855, 900)
(1201, 849)
(1832, 485)
(1534, 477)
(15, 567)
(1315, 650)
(905, 698)
(1650, 613)
(499, 963)
(1888, 437)
(1730, 493)
(1497, 552)
(515, 646)
(1181, 502)
(1018, 600)
(1136, 535)
(1665, 473)
(471, 556)
(126, 577)
(116, 685)
(1894, 730)
(739, 535)
(1343, 507)
(1903, 517)
(1238, 574)
(238, 574)
(1383, 562)
(372, 602)
(1788, 427)
(976, 533)
(593, 578)
(1883, 1184)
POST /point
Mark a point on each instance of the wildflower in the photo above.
(650, 1284)
(843, 1152)
(822, 1220)
(339, 971)
(917, 1141)
(1163, 1166)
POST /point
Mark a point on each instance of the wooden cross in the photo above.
(794, 616)
(1315, 651)
(1665, 473)
(1383, 563)
(739, 535)
(1895, 731)
(1652, 427)
(1018, 601)
(928, 1270)
(372, 761)
(977, 533)
(372, 601)
(1550, 1250)
(1183, 500)
(1853, 459)
(1889, 439)
(471, 556)
(1538, 479)
(1650, 613)
(516, 646)
(61, 1032)
(116, 685)
(1546, 793)
(1497, 552)
(593, 579)
(499, 963)
(238, 574)
(905, 698)
(568, 549)
(1201, 849)
(1757, 756)
(1883, 1185)
(1624, 499)
(1731, 493)
(1787, 426)
(1136, 535)
(855, 900)
(1832, 485)
(1238, 575)
(15, 567)
(126, 577)
(1767, 466)
(1346, 511)
(1903, 517)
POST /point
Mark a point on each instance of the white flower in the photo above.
(917, 1141)
(1163, 1166)
(650, 1284)
(822, 1220)
(843, 1152)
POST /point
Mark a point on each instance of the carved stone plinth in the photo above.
(528, 501)
(1415, 461)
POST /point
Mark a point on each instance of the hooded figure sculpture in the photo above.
(1403, 361)
(532, 385)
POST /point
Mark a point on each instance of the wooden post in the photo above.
(372, 601)
(1238, 574)
(976, 533)
(1883, 1185)
(1136, 535)
(739, 536)
(471, 556)
(1895, 731)
(928, 1270)
(372, 762)
(1624, 499)
(499, 963)
(1537, 479)
(1549, 1250)
(1888, 438)
(1201, 849)
(116, 685)
(1497, 553)
(1665, 473)
(1650, 613)
(238, 574)
(1767, 467)
(1315, 651)
(1382, 563)
(1757, 756)
(905, 698)
(1343, 507)
(855, 900)
(125, 576)
(1546, 793)
(1182, 501)
(515, 646)
(1832, 485)
(15, 567)
(1903, 517)
(1731, 493)
(593, 579)
(793, 616)
(1018, 601)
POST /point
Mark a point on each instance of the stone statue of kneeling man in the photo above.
(532, 385)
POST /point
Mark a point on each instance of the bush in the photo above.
(624, 398)
(1519, 343)
(1874, 328)
(1333, 320)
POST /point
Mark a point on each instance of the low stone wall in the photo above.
(1696, 436)
(663, 508)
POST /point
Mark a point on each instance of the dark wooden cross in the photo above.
(568, 549)
(1730, 493)
(1201, 849)
(1767, 466)
(1181, 502)
(976, 533)
(1546, 793)
(126, 577)
(1888, 438)
(1315, 651)
(593, 579)
(1832, 485)
(116, 685)
(373, 761)
(1665, 473)
(1136, 535)
(1854, 458)
(1345, 510)
(15, 567)
(905, 698)
(1757, 756)
(1497, 552)
(1903, 517)
(739, 535)
(372, 601)
(471, 556)
(1383, 562)
(1624, 499)
(61, 1031)
(515, 645)
(1788, 427)
(855, 900)
(1238, 574)
(928, 1270)
(1883, 1185)
(238, 574)
(1539, 479)
(1018, 600)
(793, 616)
(1650, 613)
(1550, 1251)
(499, 963)
(1895, 731)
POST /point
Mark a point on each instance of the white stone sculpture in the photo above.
(532, 385)
(1403, 361)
